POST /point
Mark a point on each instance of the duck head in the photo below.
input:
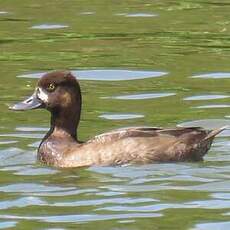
(58, 92)
(54, 91)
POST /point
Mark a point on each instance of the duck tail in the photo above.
(213, 133)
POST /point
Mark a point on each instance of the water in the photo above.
(156, 63)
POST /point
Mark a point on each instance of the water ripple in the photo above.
(7, 224)
(206, 123)
(214, 225)
(206, 97)
(31, 129)
(87, 13)
(136, 15)
(33, 188)
(123, 201)
(21, 202)
(3, 12)
(82, 217)
(23, 135)
(106, 75)
(217, 75)
(213, 106)
(120, 116)
(141, 96)
(7, 142)
(49, 26)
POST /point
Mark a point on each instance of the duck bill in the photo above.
(30, 103)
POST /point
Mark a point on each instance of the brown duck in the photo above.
(59, 93)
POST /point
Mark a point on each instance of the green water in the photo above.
(185, 46)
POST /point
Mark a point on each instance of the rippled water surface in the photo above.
(157, 63)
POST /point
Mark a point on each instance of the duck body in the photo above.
(59, 93)
(127, 146)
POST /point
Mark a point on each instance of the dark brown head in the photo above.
(55, 91)
(58, 92)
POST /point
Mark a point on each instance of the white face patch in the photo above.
(42, 95)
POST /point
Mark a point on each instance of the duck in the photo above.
(59, 92)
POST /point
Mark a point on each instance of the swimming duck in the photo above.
(59, 92)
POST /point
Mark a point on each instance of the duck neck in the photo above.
(65, 122)
(65, 118)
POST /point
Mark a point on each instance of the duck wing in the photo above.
(119, 134)
(188, 134)
(147, 145)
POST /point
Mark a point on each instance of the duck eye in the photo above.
(50, 87)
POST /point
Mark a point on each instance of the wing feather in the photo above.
(118, 134)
